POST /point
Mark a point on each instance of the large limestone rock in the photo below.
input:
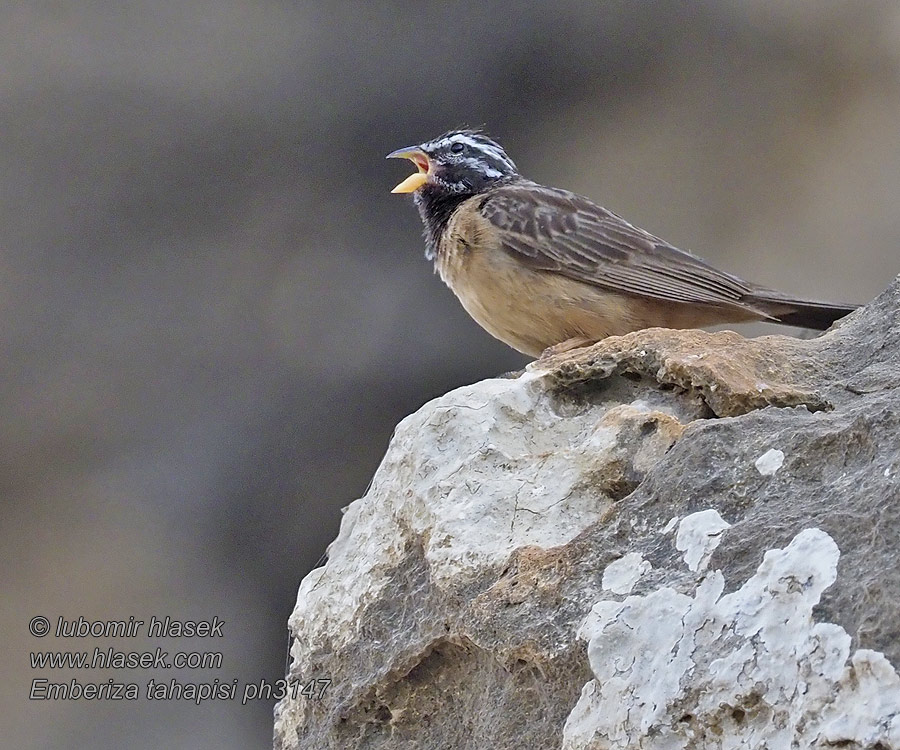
(667, 540)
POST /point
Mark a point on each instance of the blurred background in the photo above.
(213, 311)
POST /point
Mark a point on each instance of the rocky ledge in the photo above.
(671, 539)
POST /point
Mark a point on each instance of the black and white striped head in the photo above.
(461, 162)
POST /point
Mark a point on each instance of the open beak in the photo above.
(418, 157)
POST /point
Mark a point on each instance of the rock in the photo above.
(671, 539)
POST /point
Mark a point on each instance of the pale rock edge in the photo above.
(465, 526)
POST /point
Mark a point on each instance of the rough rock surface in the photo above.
(671, 539)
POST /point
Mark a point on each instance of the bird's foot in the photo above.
(577, 342)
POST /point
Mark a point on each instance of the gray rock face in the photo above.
(671, 539)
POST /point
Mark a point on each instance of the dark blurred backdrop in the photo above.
(213, 311)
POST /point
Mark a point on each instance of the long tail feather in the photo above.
(805, 313)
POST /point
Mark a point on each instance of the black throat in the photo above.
(436, 206)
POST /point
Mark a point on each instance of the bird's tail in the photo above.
(803, 313)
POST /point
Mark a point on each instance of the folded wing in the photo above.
(558, 231)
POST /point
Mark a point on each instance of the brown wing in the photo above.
(558, 231)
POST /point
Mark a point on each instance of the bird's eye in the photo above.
(457, 147)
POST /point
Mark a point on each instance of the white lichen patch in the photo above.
(770, 462)
(621, 575)
(750, 669)
(698, 536)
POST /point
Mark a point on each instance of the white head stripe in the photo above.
(484, 147)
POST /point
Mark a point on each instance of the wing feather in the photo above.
(554, 230)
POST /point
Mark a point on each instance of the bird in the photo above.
(546, 270)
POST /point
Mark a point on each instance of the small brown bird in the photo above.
(541, 268)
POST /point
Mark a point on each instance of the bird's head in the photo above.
(461, 162)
